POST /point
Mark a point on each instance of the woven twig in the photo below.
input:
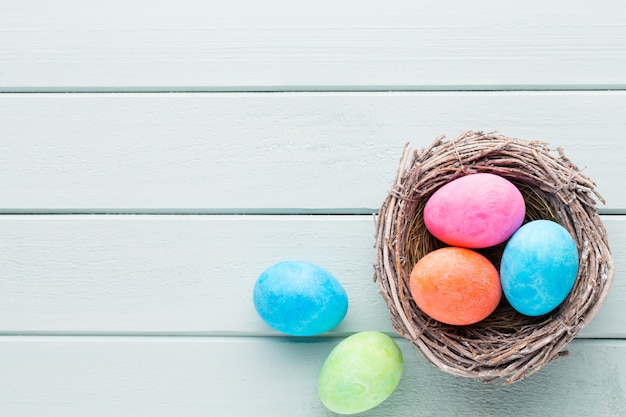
(507, 344)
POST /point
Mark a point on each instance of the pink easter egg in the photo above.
(475, 211)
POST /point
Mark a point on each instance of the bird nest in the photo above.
(507, 344)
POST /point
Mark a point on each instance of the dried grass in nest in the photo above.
(507, 344)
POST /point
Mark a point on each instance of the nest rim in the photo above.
(507, 344)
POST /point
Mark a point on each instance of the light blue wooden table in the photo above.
(156, 156)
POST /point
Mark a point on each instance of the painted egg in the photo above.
(539, 267)
(475, 211)
(360, 373)
(299, 298)
(455, 286)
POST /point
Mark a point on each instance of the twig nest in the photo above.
(507, 344)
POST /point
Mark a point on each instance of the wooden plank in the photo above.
(289, 152)
(274, 376)
(247, 44)
(195, 274)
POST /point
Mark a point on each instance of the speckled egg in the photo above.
(539, 267)
(299, 298)
(475, 211)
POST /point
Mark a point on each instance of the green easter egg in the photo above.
(360, 373)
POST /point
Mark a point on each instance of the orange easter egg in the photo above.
(456, 286)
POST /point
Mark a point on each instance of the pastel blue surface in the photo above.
(538, 268)
(300, 298)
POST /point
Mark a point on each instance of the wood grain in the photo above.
(279, 45)
(194, 274)
(130, 376)
(287, 153)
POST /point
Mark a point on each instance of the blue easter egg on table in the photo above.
(299, 298)
(539, 267)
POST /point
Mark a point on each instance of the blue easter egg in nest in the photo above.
(539, 267)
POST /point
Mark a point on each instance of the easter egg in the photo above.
(455, 286)
(539, 267)
(475, 211)
(360, 373)
(299, 298)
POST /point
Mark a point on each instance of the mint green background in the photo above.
(156, 156)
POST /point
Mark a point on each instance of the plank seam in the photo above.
(222, 212)
(310, 89)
